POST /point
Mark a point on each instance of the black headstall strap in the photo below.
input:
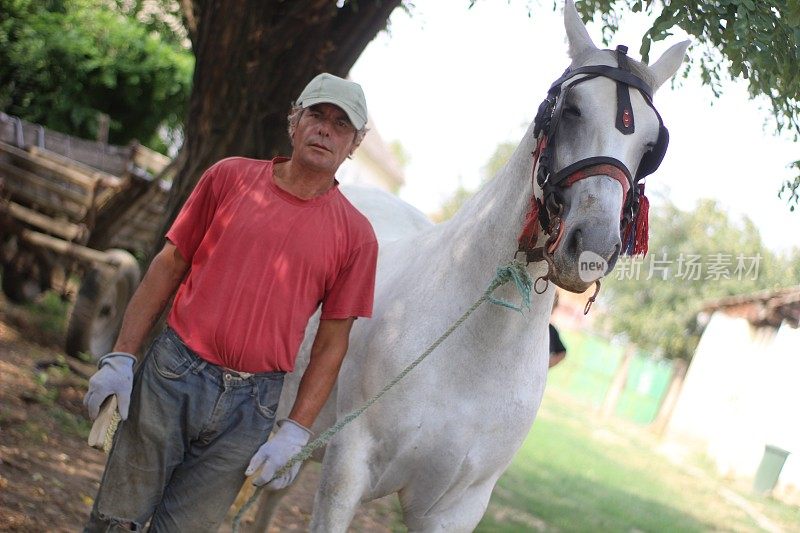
(625, 122)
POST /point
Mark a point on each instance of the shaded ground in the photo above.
(48, 474)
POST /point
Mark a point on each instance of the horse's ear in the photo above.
(577, 36)
(668, 63)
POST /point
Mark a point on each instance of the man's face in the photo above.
(323, 138)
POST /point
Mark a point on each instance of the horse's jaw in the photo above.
(590, 241)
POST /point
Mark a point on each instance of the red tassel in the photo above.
(642, 225)
(530, 229)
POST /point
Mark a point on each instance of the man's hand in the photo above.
(114, 377)
(276, 452)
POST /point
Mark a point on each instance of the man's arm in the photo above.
(151, 297)
(114, 376)
(327, 353)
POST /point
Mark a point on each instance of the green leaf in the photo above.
(61, 68)
(644, 50)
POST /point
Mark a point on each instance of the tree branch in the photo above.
(190, 11)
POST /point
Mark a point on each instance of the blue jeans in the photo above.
(179, 459)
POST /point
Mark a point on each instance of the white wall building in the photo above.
(373, 164)
(741, 391)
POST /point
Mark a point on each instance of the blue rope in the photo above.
(516, 272)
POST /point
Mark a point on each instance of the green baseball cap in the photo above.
(329, 89)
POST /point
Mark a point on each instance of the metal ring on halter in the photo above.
(548, 258)
(536, 284)
(592, 298)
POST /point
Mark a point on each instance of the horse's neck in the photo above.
(483, 236)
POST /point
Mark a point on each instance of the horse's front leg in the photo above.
(342, 485)
(267, 505)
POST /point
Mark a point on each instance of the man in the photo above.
(257, 247)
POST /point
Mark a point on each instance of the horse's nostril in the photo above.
(575, 243)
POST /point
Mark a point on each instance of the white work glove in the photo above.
(114, 377)
(276, 452)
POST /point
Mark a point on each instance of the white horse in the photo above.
(444, 435)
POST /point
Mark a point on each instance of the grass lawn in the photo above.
(578, 473)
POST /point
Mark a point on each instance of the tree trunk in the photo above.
(253, 57)
(617, 384)
(679, 368)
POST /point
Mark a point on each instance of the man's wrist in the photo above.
(106, 357)
(294, 427)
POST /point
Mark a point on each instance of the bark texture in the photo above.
(253, 57)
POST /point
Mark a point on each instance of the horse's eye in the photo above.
(572, 110)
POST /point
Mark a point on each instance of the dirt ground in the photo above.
(49, 475)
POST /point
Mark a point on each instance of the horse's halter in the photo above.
(546, 212)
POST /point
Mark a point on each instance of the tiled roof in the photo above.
(765, 308)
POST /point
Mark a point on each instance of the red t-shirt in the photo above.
(261, 261)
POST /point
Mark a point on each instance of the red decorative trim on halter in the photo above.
(636, 236)
(530, 228)
(627, 118)
(603, 169)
